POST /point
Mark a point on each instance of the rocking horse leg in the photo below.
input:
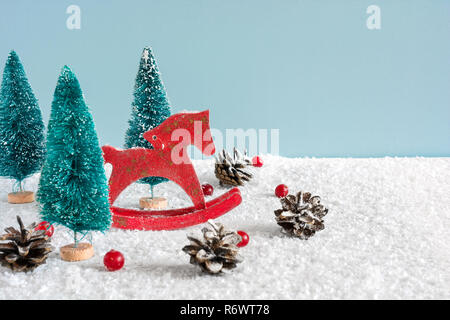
(186, 177)
(117, 183)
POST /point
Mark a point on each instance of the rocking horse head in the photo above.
(182, 130)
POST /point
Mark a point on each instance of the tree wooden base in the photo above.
(21, 197)
(152, 203)
(83, 251)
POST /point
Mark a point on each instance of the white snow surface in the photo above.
(386, 236)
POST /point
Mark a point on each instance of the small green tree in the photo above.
(22, 142)
(73, 188)
(150, 107)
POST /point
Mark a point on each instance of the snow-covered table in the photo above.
(386, 236)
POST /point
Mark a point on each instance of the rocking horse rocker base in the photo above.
(130, 165)
(176, 218)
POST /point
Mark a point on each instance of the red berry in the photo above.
(257, 161)
(113, 260)
(245, 238)
(281, 191)
(207, 189)
(44, 225)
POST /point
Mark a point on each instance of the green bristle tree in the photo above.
(150, 107)
(22, 141)
(73, 188)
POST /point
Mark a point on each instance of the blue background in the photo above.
(310, 68)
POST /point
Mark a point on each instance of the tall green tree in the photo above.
(22, 142)
(73, 188)
(150, 107)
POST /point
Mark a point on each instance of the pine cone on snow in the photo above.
(217, 251)
(26, 249)
(231, 170)
(301, 215)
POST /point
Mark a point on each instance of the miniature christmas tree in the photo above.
(22, 142)
(149, 108)
(73, 190)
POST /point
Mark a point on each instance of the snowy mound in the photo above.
(386, 236)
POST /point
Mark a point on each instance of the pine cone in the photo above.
(230, 171)
(26, 249)
(217, 251)
(301, 215)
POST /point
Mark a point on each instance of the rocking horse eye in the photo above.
(154, 137)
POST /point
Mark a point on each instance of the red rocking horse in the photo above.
(168, 159)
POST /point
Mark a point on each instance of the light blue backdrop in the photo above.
(310, 68)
